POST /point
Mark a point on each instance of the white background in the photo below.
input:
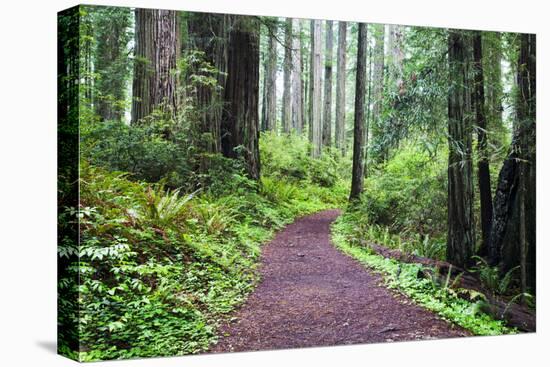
(28, 181)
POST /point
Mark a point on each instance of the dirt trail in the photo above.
(313, 295)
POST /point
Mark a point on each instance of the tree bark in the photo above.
(492, 53)
(286, 110)
(340, 123)
(513, 234)
(240, 130)
(156, 51)
(327, 111)
(378, 78)
(271, 82)
(316, 123)
(461, 235)
(359, 117)
(297, 94)
(484, 177)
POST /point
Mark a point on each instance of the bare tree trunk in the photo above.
(240, 118)
(340, 123)
(359, 118)
(461, 235)
(310, 81)
(378, 78)
(484, 177)
(316, 123)
(513, 234)
(286, 111)
(296, 95)
(271, 82)
(327, 111)
(156, 51)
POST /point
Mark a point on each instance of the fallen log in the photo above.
(515, 315)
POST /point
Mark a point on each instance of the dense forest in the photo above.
(187, 140)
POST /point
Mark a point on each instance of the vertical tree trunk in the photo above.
(359, 117)
(513, 234)
(492, 53)
(526, 114)
(378, 77)
(397, 56)
(303, 76)
(461, 235)
(271, 81)
(327, 110)
(340, 123)
(296, 95)
(316, 123)
(263, 125)
(484, 177)
(369, 115)
(209, 33)
(240, 130)
(286, 110)
(156, 51)
(311, 81)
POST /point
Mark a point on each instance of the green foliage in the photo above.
(440, 298)
(404, 202)
(288, 156)
(491, 278)
(159, 268)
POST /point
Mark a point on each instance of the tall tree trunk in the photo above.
(378, 77)
(286, 111)
(460, 222)
(209, 33)
(311, 81)
(296, 95)
(240, 130)
(327, 110)
(271, 81)
(303, 76)
(369, 114)
(340, 123)
(492, 54)
(484, 177)
(263, 124)
(156, 51)
(316, 123)
(513, 240)
(359, 117)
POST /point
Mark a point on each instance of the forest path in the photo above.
(310, 294)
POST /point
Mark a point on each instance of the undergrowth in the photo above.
(158, 269)
(404, 278)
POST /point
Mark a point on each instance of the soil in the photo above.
(310, 294)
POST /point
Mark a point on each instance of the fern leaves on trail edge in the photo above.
(156, 271)
(403, 278)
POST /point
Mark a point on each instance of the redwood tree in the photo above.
(156, 50)
(359, 117)
(327, 107)
(240, 125)
(340, 123)
(286, 110)
(484, 177)
(460, 216)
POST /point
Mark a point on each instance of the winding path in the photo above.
(313, 295)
